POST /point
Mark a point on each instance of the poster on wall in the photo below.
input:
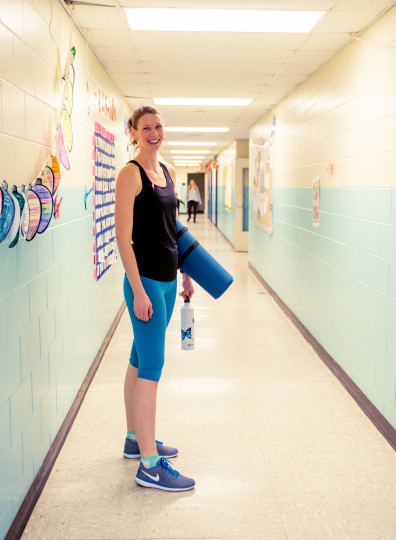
(315, 202)
(262, 185)
(103, 200)
(228, 186)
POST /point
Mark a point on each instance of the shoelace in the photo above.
(166, 465)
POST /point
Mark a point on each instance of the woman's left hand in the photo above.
(188, 287)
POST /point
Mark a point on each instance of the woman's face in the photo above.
(192, 183)
(149, 132)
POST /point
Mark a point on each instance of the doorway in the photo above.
(199, 179)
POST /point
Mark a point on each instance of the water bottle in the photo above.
(187, 325)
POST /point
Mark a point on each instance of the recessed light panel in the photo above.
(222, 20)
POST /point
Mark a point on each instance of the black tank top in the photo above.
(154, 228)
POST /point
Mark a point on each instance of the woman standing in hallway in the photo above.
(145, 213)
(193, 199)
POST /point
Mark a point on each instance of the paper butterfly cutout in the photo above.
(19, 203)
(7, 214)
(67, 129)
(34, 213)
(47, 205)
(63, 154)
(56, 171)
(187, 334)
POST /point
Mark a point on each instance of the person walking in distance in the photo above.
(193, 199)
(145, 217)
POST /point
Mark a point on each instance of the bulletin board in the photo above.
(103, 200)
(228, 186)
(262, 183)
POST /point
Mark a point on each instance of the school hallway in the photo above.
(278, 448)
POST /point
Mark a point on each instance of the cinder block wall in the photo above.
(340, 279)
(53, 315)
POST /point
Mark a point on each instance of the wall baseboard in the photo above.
(381, 423)
(32, 496)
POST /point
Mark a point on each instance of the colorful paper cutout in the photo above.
(56, 171)
(34, 213)
(86, 193)
(47, 205)
(47, 178)
(7, 214)
(21, 204)
(330, 168)
(69, 96)
(15, 222)
(24, 226)
(63, 153)
(56, 206)
(72, 74)
(67, 129)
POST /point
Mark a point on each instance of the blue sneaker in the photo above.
(162, 476)
(131, 450)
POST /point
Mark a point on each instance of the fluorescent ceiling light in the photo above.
(188, 158)
(190, 151)
(221, 20)
(197, 129)
(192, 143)
(203, 101)
(187, 164)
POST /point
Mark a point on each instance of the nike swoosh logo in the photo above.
(155, 478)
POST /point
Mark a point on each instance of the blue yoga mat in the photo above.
(199, 264)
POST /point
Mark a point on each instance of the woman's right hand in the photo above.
(142, 307)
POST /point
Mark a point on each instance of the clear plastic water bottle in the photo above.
(187, 325)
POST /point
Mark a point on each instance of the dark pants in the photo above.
(192, 207)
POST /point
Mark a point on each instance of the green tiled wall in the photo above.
(53, 319)
(339, 279)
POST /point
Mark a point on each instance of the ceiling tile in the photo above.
(233, 4)
(148, 64)
(311, 57)
(211, 79)
(116, 53)
(330, 42)
(345, 21)
(180, 41)
(108, 18)
(204, 68)
(197, 54)
(123, 67)
(363, 5)
(107, 38)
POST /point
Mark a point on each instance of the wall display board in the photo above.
(262, 184)
(103, 200)
(228, 186)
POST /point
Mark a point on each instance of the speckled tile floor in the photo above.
(277, 447)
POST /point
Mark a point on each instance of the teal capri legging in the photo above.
(148, 348)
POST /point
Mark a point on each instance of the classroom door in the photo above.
(242, 205)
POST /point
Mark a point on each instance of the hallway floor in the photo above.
(278, 448)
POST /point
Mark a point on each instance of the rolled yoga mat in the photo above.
(199, 264)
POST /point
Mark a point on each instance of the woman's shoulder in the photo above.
(129, 177)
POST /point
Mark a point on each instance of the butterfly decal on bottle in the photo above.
(186, 333)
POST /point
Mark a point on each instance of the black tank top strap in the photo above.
(167, 173)
(143, 174)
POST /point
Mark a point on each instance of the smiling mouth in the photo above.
(155, 141)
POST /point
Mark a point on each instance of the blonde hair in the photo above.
(133, 120)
